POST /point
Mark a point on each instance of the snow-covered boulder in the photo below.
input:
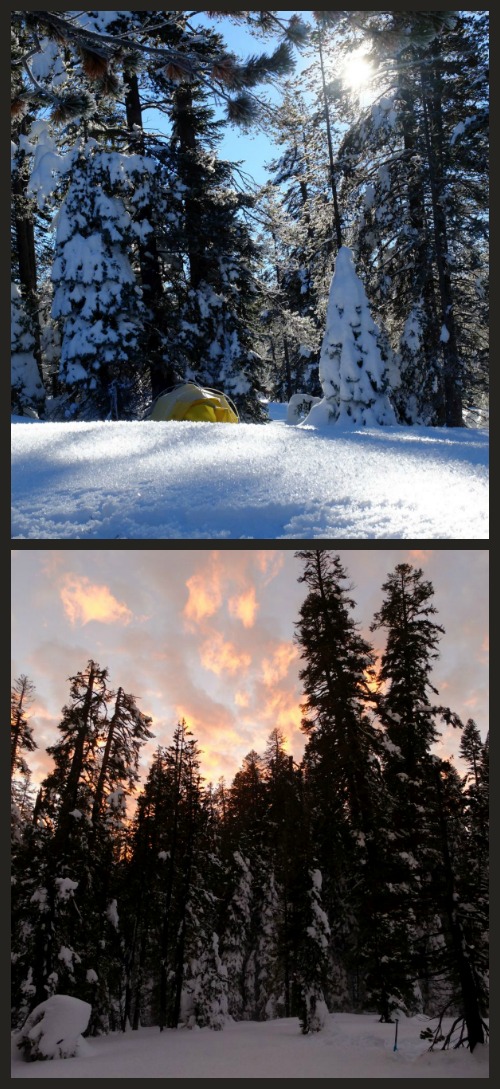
(54, 1029)
(298, 406)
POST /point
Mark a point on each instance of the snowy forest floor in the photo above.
(350, 1046)
(138, 480)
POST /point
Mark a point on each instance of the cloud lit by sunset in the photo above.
(269, 563)
(205, 591)
(276, 667)
(220, 656)
(244, 606)
(282, 709)
(84, 601)
(209, 634)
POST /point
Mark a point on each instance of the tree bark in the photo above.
(25, 245)
(161, 373)
(433, 132)
(470, 998)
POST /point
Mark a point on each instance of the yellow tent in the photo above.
(191, 402)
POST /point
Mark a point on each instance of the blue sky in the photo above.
(208, 634)
(252, 148)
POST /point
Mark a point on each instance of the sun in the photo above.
(357, 70)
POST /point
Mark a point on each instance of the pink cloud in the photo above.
(84, 601)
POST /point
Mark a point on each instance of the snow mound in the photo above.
(134, 480)
(53, 1029)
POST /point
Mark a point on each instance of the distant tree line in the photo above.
(355, 880)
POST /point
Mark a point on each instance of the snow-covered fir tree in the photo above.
(354, 376)
(96, 297)
(313, 960)
(237, 937)
(207, 986)
(27, 392)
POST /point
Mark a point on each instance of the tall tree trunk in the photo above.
(172, 863)
(418, 220)
(470, 998)
(25, 246)
(70, 798)
(99, 791)
(333, 186)
(161, 372)
(433, 132)
(186, 134)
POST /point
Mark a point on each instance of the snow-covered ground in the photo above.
(350, 1046)
(139, 480)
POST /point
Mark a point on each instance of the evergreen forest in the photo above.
(142, 258)
(353, 880)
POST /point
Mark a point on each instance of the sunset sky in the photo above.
(207, 635)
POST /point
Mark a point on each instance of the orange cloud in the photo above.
(241, 699)
(205, 591)
(422, 554)
(220, 656)
(276, 667)
(283, 708)
(203, 732)
(84, 601)
(244, 607)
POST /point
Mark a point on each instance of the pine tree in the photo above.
(212, 330)
(76, 839)
(422, 863)
(411, 647)
(414, 198)
(288, 846)
(21, 733)
(143, 884)
(245, 851)
(460, 888)
(339, 664)
(171, 888)
(409, 731)
(342, 781)
(127, 731)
